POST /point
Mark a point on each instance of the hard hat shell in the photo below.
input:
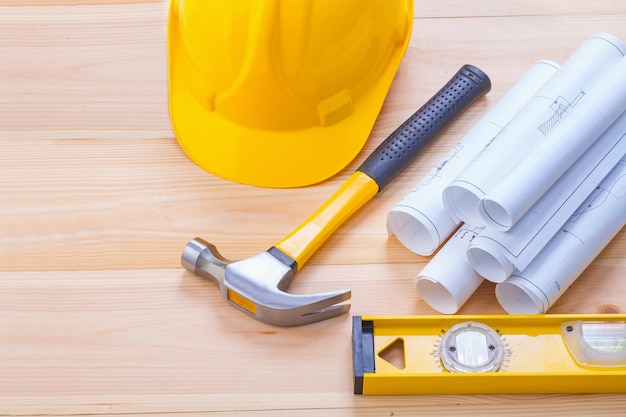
(281, 93)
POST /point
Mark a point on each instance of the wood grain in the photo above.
(97, 200)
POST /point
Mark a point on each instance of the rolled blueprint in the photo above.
(557, 151)
(420, 221)
(567, 255)
(448, 280)
(496, 254)
(552, 103)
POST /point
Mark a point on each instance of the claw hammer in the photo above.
(258, 285)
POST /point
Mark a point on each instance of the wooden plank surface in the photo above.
(97, 201)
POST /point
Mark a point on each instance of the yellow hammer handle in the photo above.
(300, 244)
(391, 157)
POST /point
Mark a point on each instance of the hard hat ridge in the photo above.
(274, 83)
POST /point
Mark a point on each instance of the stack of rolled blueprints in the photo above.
(532, 193)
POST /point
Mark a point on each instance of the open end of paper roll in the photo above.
(489, 264)
(414, 231)
(496, 215)
(436, 295)
(518, 296)
(463, 200)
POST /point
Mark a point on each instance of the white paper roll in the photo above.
(448, 280)
(420, 221)
(553, 103)
(566, 256)
(496, 254)
(524, 185)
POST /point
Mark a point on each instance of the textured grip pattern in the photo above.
(400, 149)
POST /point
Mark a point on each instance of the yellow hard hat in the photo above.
(281, 93)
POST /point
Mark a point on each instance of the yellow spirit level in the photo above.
(489, 354)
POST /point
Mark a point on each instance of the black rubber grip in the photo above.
(396, 152)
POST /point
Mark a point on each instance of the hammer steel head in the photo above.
(257, 286)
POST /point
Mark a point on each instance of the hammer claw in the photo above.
(325, 313)
(256, 285)
(305, 313)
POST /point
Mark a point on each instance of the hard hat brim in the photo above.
(268, 158)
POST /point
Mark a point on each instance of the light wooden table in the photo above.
(97, 201)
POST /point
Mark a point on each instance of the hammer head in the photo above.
(258, 285)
